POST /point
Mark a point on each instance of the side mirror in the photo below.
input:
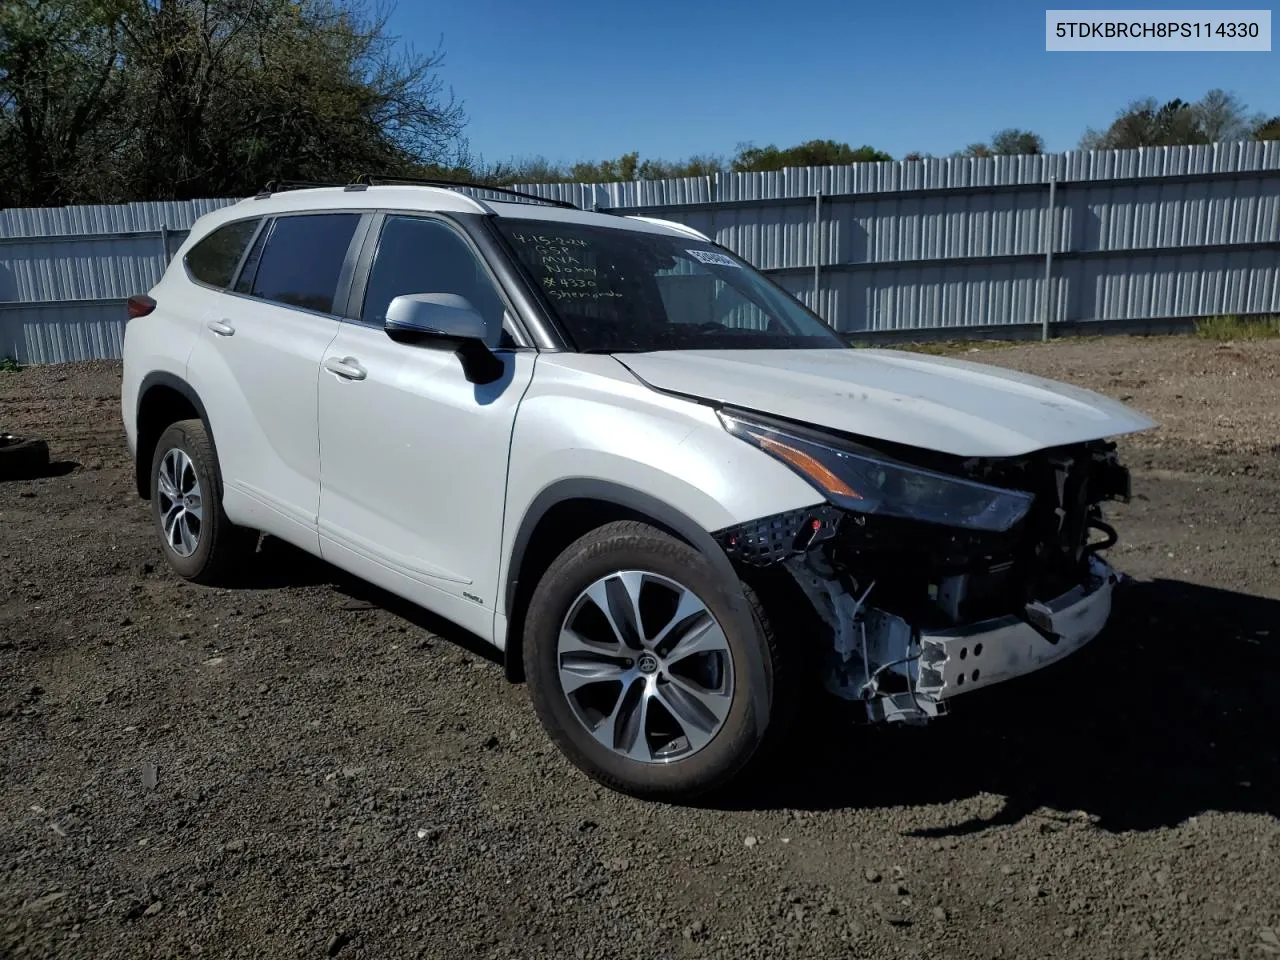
(450, 318)
(446, 316)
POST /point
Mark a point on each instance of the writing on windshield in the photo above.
(630, 290)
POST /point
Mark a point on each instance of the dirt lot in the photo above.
(304, 767)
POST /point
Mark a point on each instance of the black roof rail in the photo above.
(373, 180)
(278, 186)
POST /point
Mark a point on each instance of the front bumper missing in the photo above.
(883, 652)
(962, 659)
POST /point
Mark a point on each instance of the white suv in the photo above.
(622, 456)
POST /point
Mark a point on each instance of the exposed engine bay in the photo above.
(918, 613)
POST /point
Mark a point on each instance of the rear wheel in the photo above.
(198, 540)
(643, 668)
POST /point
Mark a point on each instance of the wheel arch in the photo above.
(163, 399)
(570, 508)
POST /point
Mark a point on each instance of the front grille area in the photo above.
(936, 576)
(1069, 485)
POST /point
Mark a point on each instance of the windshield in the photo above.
(617, 291)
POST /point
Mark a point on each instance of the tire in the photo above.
(22, 458)
(678, 754)
(209, 550)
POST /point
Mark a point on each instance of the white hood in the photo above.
(936, 403)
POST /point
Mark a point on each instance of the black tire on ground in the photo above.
(749, 721)
(221, 546)
(22, 458)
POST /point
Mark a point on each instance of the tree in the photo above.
(1015, 142)
(811, 153)
(698, 165)
(1267, 129)
(1008, 142)
(1223, 116)
(237, 91)
(168, 99)
(625, 167)
(60, 89)
(1217, 116)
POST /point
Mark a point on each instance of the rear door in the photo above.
(414, 455)
(257, 364)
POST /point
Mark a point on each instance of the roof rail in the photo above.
(373, 180)
(277, 186)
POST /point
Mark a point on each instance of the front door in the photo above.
(414, 456)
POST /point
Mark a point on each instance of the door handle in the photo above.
(348, 368)
(221, 328)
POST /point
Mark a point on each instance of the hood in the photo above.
(935, 403)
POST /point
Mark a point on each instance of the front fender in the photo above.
(588, 429)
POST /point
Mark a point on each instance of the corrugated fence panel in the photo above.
(939, 244)
(1153, 214)
(953, 296)
(62, 332)
(1173, 284)
(107, 218)
(83, 269)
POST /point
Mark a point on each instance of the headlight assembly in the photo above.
(868, 484)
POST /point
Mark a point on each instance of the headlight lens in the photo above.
(868, 484)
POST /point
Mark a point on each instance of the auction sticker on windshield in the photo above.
(710, 256)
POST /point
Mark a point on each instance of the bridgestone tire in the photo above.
(637, 546)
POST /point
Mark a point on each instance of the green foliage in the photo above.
(629, 166)
(104, 100)
(811, 153)
(626, 167)
(1267, 129)
(1008, 142)
(1215, 117)
(1238, 328)
(9, 365)
(699, 165)
(1013, 141)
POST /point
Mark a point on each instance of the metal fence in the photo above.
(900, 249)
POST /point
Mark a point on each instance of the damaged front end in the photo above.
(918, 611)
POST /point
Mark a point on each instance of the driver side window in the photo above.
(416, 255)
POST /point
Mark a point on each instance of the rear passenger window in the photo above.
(302, 259)
(416, 255)
(213, 260)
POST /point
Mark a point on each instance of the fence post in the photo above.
(164, 244)
(1048, 260)
(817, 249)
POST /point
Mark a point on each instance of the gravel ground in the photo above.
(305, 767)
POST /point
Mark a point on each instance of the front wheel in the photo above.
(652, 674)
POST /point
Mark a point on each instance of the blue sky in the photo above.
(571, 80)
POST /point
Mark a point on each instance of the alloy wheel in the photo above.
(645, 666)
(181, 506)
